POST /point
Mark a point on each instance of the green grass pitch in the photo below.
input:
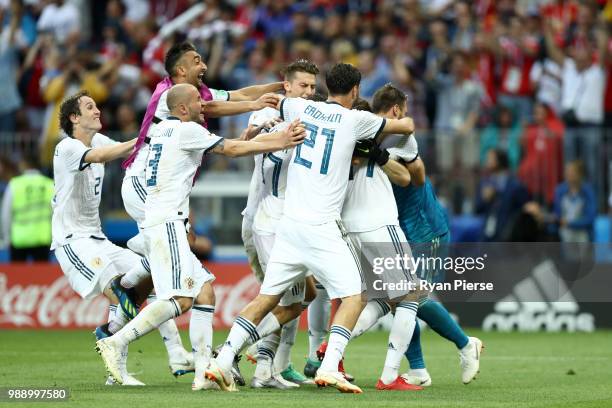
(517, 370)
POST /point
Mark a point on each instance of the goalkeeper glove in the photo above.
(370, 150)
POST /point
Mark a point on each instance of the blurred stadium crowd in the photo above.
(505, 94)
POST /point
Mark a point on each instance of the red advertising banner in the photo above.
(38, 296)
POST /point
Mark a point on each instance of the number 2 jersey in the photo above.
(319, 167)
(175, 153)
(78, 189)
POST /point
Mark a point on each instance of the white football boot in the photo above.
(469, 358)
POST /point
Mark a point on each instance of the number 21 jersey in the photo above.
(319, 168)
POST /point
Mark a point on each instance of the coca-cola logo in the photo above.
(54, 305)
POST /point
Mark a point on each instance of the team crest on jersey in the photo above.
(96, 262)
(189, 283)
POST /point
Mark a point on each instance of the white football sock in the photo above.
(266, 350)
(169, 334)
(200, 335)
(399, 339)
(111, 312)
(374, 310)
(420, 372)
(338, 339)
(287, 339)
(136, 274)
(269, 324)
(147, 320)
(241, 331)
(319, 311)
(117, 321)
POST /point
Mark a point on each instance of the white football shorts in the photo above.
(91, 263)
(323, 249)
(376, 246)
(175, 270)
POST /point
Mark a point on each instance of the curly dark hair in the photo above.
(70, 106)
(174, 54)
(341, 78)
(301, 65)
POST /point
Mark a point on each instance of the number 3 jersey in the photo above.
(175, 153)
(319, 168)
(78, 189)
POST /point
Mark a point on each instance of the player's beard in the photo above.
(196, 116)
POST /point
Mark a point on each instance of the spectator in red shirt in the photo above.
(518, 50)
(542, 167)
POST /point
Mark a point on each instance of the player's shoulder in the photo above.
(161, 108)
(189, 128)
(361, 113)
(163, 95)
(68, 143)
(257, 118)
(298, 101)
(100, 139)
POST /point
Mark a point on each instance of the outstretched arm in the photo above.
(107, 153)
(403, 126)
(270, 142)
(250, 93)
(215, 109)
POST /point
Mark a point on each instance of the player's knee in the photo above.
(416, 295)
(185, 303)
(206, 295)
(357, 301)
(285, 314)
(267, 301)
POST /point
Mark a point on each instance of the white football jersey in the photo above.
(137, 168)
(402, 146)
(274, 183)
(256, 119)
(175, 154)
(78, 189)
(319, 168)
(254, 196)
(370, 203)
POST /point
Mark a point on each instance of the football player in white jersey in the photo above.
(264, 210)
(88, 259)
(310, 235)
(370, 216)
(298, 80)
(421, 218)
(184, 65)
(177, 146)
